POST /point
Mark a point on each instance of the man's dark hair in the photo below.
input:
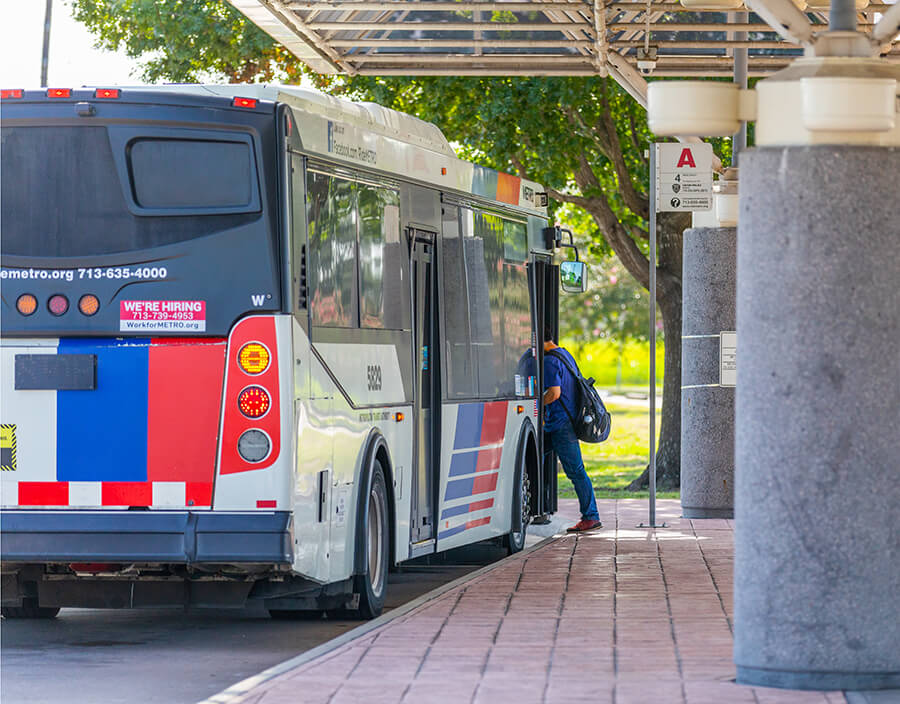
(549, 334)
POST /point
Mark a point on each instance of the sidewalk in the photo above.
(623, 615)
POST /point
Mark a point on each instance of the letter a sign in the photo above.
(683, 177)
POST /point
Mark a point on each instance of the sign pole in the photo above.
(653, 193)
(680, 181)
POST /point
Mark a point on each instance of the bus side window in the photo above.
(460, 373)
(332, 250)
(495, 250)
(380, 262)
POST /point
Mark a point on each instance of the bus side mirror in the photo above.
(573, 277)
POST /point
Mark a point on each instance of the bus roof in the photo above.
(368, 135)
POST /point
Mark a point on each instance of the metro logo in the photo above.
(686, 159)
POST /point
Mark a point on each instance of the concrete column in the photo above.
(707, 410)
(817, 494)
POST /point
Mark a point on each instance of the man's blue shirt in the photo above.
(556, 374)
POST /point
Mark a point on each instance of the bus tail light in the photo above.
(107, 93)
(58, 304)
(59, 93)
(8, 93)
(88, 304)
(253, 446)
(253, 358)
(252, 415)
(254, 402)
(26, 304)
(244, 102)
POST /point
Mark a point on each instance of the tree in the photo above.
(188, 41)
(583, 138)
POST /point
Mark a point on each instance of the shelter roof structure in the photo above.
(545, 37)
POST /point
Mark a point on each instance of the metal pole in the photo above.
(739, 140)
(842, 17)
(653, 186)
(45, 56)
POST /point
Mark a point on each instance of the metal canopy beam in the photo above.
(552, 37)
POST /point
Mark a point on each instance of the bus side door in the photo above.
(427, 394)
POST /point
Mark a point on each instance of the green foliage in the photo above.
(616, 362)
(187, 41)
(614, 464)
(614, 306)
(542, 123)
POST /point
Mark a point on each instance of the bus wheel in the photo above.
(521, 506)
(29, 609)
(372, 585)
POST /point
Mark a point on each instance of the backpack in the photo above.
(592, 422)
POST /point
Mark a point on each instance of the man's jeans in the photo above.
(565, 444)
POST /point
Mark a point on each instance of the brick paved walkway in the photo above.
(624, 615)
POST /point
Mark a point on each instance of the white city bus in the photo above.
(258, 345)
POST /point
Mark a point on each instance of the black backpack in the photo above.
(592, 422)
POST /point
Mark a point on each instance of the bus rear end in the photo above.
(141, 384)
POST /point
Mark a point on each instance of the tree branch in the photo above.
(636, 202)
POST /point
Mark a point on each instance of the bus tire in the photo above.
(371, 585)
(29, 609)
(514, 541)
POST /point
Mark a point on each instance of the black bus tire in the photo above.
(520, 509)
(29, 609)
(371, 585)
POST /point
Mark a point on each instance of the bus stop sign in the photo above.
(683, 177)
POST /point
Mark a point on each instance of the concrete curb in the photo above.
(239, 689)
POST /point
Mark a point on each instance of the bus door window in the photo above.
(425, 421)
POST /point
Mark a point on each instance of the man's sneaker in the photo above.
(584, 525)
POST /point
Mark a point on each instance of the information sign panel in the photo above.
(683, 177)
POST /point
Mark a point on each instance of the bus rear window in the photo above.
(192, 174)
(65, 195)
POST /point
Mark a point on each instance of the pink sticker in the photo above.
(162, 316)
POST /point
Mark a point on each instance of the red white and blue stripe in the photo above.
(146, 435)
(474, 467)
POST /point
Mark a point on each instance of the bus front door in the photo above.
(426, 409)
(544, 288)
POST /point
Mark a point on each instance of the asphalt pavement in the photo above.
(174, 656)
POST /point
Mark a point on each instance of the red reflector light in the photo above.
(110, 93)
(244, 102)
(58, 93)
(254, 402)
(58, 304)
(10, 93)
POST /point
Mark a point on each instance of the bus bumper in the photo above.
(174, 537)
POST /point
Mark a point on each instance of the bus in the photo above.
(259, 346)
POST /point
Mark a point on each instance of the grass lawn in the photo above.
(612, 465)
